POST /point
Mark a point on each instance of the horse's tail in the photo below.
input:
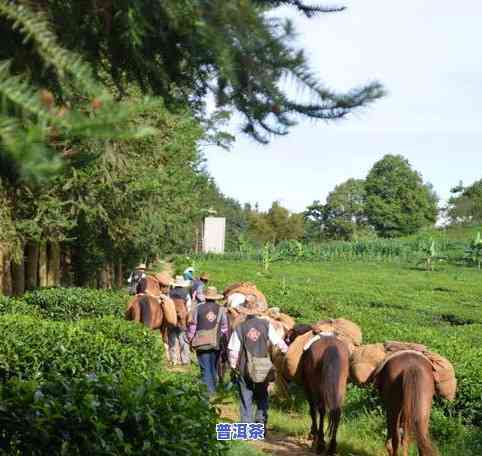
(332, 391)
(413, 412)
(145, 308)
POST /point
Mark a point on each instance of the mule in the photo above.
(324, 368)
(407, 387)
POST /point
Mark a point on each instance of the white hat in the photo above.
(180, 282)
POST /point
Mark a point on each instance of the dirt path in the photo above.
(275, 443)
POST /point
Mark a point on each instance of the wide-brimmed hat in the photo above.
(164, 279)
(180, 282)
(204, 276)
(212, 294)
(141, 266)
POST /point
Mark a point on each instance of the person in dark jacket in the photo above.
(208, 324)
(250, 340)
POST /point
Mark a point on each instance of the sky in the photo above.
(428, 56)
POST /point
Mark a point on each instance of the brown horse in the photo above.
(324, 370)
(147, 310)
(407, 387)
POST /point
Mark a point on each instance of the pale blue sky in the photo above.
(428, 55)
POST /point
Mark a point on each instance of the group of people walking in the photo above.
(208, 331)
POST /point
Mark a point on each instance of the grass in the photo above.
(442, 309)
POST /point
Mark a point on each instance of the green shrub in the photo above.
(17, 306)
(34, 348)
(76, 303)
(106, 415)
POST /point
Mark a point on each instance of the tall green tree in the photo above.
(465, 206)
(277, 224)
(397, 200)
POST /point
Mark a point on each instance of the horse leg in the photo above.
(313, 414)
(334, 420)
(320, 444)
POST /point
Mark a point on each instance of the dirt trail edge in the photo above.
(275, 443)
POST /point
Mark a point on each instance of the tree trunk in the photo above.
(32, 266)
(119, 279)
(102, 278)
(53, 269)
(18, 276)
(66, 277)
(2, 268)
(110, 275)
(7, 277)
(42, 265)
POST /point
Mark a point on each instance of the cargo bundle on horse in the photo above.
(368, 360)
(322, 368)
(344, 330)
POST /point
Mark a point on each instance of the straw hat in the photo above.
(212, 294)
(141, 266)
(180, 282)
(204, 276)
(164, 279)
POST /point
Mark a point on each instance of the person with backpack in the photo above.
(208, 325)
(135, 277)
(249, 358)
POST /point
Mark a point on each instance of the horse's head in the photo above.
(296, 331)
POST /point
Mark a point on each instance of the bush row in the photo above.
(106, 415)
(75, 385)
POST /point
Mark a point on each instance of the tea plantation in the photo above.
(390, 301)
(76, 379)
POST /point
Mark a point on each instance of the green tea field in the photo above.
(441, 309)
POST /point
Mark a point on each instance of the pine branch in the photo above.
(301, 6)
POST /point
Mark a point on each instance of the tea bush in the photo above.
(106, 415)
(32, 348)
(76, 303)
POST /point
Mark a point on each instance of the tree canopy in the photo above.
(465, 206)
(397, 200)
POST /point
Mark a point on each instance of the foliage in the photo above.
(377, 250)
(430, 255)
(39, 127)
(70, 304)
(275, 225)
(397, 201)
(343, 215)
(185, 50)
(106, 415)
(465, 206)
(33, 348)
(473, 253)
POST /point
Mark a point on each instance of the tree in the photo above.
(183, 50)
(344, 212)
(397, 201)
(276, 225)
(465, 206)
